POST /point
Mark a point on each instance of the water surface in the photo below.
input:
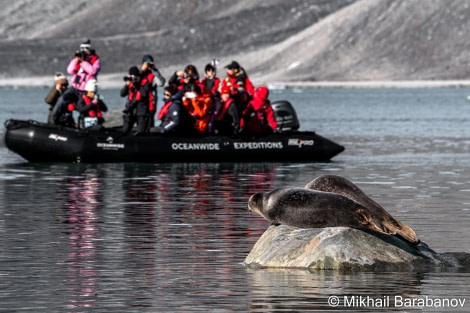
(172, 237)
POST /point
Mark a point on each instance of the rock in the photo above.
(341, 248)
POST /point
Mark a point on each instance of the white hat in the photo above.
(92, 85)
(86, 45)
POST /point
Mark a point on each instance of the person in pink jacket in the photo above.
(84, 66)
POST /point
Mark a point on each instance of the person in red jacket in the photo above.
(258, 116)
(240, 85)
(225, 118)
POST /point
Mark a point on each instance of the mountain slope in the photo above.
(275, 40)
(376, 40)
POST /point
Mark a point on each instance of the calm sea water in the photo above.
(172, 237)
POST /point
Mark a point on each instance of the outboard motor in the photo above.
(285, 115)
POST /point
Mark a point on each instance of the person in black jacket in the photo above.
(187, 80)
(152, 75)
(174, 117)
(62, 114)
(90, 106)
(60, 85)
(137, 105)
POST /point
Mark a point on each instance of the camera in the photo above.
(130, 78)
(80, 54)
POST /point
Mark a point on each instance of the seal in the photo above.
(342, 186)
(311, 208)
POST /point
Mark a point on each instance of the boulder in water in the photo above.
(342, 248)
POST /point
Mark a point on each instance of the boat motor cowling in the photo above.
(285, 114)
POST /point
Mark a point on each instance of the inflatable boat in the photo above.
(40, 142)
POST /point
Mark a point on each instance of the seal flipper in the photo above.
(399, 229)
(391, 226)
(407, 234)
(363, 217)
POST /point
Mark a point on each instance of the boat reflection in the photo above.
(151, 230)
(82, 206)
(184, 216)
(140, 236)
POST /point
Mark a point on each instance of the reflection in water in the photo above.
(182, 222)
(140, 236)
(303, 291)
(172, 237)
(81, 210)
(182, 226)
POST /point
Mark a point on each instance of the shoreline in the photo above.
(374, 84)
(110, 81)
